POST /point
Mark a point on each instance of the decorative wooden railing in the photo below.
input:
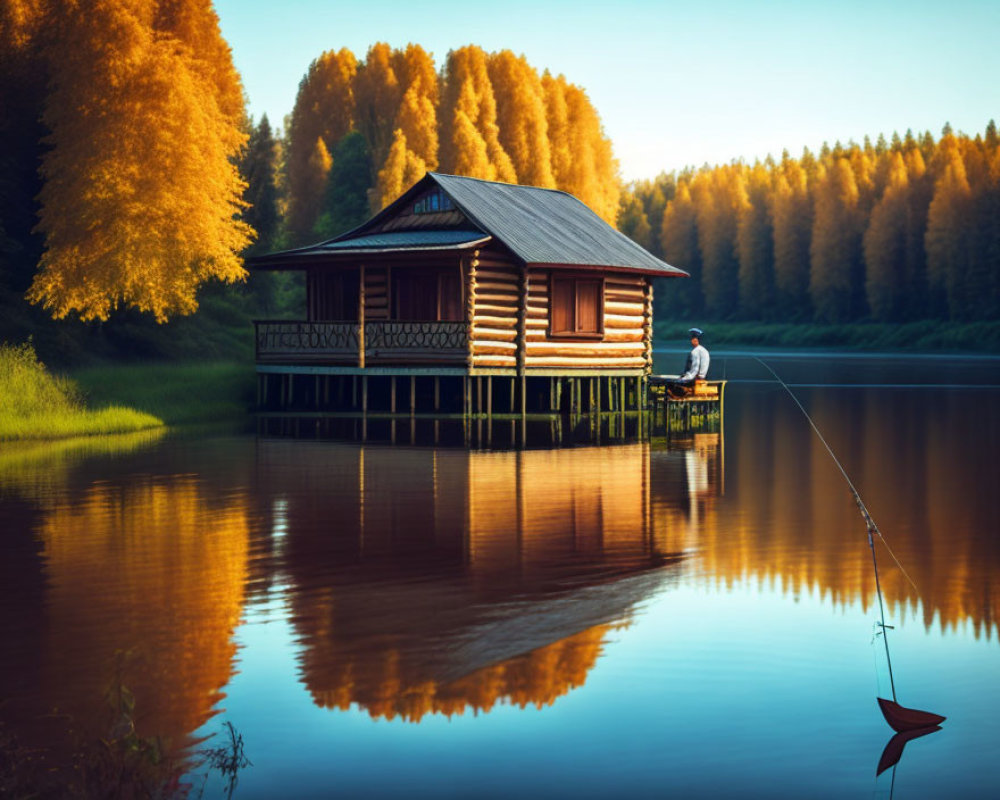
(424, 342)
(396, 342)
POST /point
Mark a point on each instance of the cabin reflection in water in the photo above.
(440, 581)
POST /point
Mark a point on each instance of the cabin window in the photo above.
(432, 202)
(434, 296)
(577, 307)
(332, 295)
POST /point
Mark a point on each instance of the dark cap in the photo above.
(696, 332)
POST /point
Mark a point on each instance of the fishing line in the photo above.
(872, 527)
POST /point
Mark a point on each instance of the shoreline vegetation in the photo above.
(928, 336)
(113, 398)
(36, 404)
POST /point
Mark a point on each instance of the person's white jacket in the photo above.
(699, 365)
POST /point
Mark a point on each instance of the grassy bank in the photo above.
(177, 394)
(36, 404)
(926, 337)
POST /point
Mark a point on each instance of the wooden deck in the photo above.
(700, 408)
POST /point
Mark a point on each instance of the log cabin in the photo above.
(469, 297)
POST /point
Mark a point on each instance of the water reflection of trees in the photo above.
(788, 518)
(133, 584)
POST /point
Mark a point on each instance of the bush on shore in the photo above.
(36, 404)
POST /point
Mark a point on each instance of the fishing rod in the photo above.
(899, 717)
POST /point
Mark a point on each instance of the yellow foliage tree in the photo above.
(792, 219)
(324, 109)
(470, 138)
(836, 243)
(141, 190)
(402, 168)
(521, 117)
(377, 94)
(948, 228)
(583, 163)
(417, 115)
(557, 119)
(414, 146)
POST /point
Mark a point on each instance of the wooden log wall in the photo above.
(377, 293)
(493, 334)
(623, 345)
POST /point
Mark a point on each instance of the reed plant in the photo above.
(38, 404)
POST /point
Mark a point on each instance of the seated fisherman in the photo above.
(696, 367)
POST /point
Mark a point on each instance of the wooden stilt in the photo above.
(392, 394)
(437, 397)
(621, 401)
(489, 398)
(413, 396)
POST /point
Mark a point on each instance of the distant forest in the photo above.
(900, 230)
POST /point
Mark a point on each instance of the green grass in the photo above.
(36, 404)
(178, 394)
(925, 336)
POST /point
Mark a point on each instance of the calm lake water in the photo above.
(683, 618)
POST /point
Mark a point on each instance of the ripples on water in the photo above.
(675, 618)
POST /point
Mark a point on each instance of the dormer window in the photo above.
(433, 202)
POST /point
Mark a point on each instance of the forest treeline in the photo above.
(899, 230)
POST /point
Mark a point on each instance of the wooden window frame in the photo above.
(597, 335)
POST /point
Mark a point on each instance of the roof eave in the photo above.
(296, 259)
(656, 272)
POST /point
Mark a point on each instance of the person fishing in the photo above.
(695, 368)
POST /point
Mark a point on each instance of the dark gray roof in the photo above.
(539, 226)
(419, 239)
(546, 226)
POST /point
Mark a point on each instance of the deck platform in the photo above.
(699, 408)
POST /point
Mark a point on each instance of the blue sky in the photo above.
(676, 84)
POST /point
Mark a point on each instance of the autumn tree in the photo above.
(632, 220)
(755, 245)
(717, 194)
(322, 116)
(593, 172)
(523, 127)
(680, 242)
(792, 220)
(470, 138)
(139, 201)
(377, 95)
(23, 79)
(947, 235)
(653, 195)
(885, 245)
(835, 250)
(414, 147)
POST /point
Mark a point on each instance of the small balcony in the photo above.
(340, 343)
